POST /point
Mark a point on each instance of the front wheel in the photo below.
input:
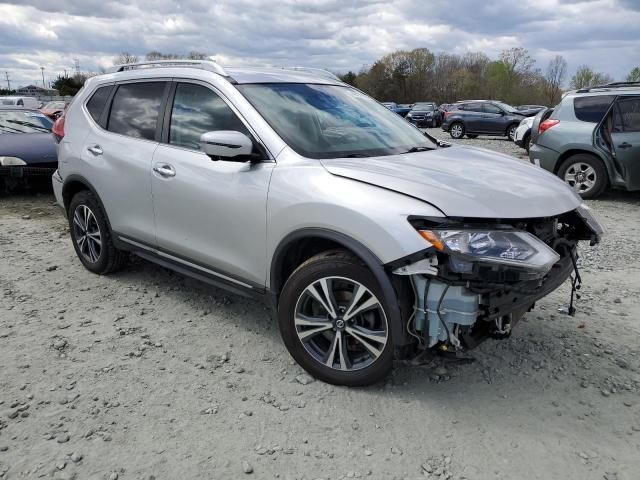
(456, 130)
(511, 131)
(334, 322)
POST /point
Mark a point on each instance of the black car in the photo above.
(27, 148)
(425, 114)
(482, 117)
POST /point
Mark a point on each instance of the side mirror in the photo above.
(227, 144)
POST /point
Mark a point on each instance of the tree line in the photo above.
(408, 76)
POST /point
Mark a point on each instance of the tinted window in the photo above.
(592, 109)
(196, 110)
(627, 115)
(471, 107)
(490, 108)
(96, 103)
(12, 121)
(135, 109)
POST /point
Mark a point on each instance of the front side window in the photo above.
(592, 109)
(12, 121)
(197, 110)
(490, 108)
(135, 109)
(333, 121)
(627, 115)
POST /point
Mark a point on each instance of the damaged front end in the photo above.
(476, 278)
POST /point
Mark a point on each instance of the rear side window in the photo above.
(96, 103)
(197, 110)
(627, 115)
(471, 107)
(592, 109)
(135, 109)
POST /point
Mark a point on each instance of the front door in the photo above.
(493, 119)
(209, 212)
(626, 139)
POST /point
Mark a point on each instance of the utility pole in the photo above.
(76, 65)
(42, 70)
(8, 82)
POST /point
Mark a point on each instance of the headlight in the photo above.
(11, 161)
(506, 247)
(592, 222)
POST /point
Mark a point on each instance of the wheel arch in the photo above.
(577, 151)
(302, 244)
(74, 184)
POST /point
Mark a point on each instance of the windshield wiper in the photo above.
(418, 149)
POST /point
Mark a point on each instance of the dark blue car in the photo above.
(27, 148)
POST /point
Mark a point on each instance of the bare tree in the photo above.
(585, 77)
(556, 73)
(124, 58)
(193, 55)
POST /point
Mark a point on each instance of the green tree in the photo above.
(585, 77)
(66, 85)
(634, 75)
(349, 77)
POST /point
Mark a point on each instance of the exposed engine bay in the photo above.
(478, 278)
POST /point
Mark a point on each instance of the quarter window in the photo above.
(96, 103)
(135, 109)
(592, 109)
(197, 110)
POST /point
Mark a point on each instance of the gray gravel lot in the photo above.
(146, 374)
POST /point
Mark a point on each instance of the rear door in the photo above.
(472, 116)
(117, 153)
(626, 139)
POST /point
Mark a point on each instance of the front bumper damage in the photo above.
(454, 312)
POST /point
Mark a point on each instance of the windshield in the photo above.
(505, 107)
(333, 121)
(24, 122)
(424, 106)
(54, 105)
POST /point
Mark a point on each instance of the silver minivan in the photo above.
(368, 238)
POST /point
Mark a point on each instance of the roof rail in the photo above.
(207, 64)
(317, 71)
(609, 85)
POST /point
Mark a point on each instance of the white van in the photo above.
(26, 102)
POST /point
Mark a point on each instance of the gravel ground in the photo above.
(148, 375)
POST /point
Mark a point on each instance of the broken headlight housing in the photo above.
(511, 248)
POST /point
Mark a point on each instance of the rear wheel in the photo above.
(333, 320)
(456, 130)
(90, 235)
(585, 174)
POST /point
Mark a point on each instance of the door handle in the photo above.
(164, 169)
(96, 150)
(625, 145)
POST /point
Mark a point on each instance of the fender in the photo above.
(367, 256)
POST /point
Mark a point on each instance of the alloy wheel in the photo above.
(581, 176)
(511, 132)
(86, 232)
(341, 323)
(456, 131)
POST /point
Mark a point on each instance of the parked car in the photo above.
(298, 189)
(26, 102)
(425, 114)
(27, 151)
(529, 110)
(54, 109)
(481, 117)
(592, 139)
(401, 110)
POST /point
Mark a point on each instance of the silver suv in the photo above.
(368, 238)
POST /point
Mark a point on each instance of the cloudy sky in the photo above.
(335, 34)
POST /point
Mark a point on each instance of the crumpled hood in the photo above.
(465, 182)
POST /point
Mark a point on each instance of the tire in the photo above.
(457, 130)
(330, 347)
(471, 135)
(592, 175)
(527, 143)
(434, 123)
(511, 131)
(95, 250)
